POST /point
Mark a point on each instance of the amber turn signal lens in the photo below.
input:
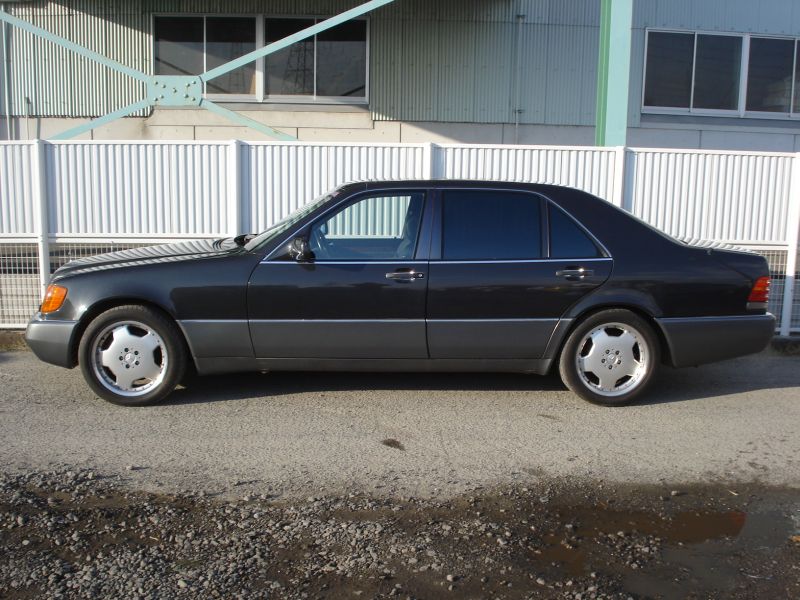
(760, 291)
(53, 298)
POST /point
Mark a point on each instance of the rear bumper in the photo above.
(51, 341)
(699, 340)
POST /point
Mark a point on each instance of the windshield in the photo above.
(297, 216)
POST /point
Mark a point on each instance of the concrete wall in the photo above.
(356, 125)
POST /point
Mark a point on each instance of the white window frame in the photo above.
(744, 68)
(260, 74)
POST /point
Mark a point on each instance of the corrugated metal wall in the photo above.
(137, 189)
(588, 169)
(48, 80)
(451, 60)
(129, 193)
(279, 178)
(17, 204)
(713, 196)
(446, 60)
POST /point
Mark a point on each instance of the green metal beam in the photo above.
(246, 121)
(613, 72)
(112, 116)
(186, 90)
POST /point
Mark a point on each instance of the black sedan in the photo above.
(411, 276)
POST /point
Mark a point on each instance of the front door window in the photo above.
(376, 228)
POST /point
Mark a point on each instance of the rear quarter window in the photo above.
(568, 239)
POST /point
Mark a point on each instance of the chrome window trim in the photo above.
(547, 200)
(427, 190)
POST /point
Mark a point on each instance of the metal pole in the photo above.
(42, 212)
(518, 85)
(792, 233)
(613, 73)
(7, 96)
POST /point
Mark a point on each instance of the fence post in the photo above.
(42, 214)
(431, 169)
(234, 187)
(619, 182)
(792, 232)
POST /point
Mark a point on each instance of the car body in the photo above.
(421, 276)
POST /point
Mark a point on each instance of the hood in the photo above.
(147, 255)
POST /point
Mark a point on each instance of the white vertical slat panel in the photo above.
(16, 189)
(589, 169)
(282, 177)
(725, 196)
(137, 188)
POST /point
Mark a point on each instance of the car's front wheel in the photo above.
(610, 357)
(132, 355)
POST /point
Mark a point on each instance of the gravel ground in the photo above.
(410, 486)
(75, 534)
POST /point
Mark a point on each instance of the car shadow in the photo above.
(750, 374)
(253, 385)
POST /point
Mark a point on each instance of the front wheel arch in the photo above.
(102, 306)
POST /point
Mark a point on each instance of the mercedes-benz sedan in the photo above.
(411, 276)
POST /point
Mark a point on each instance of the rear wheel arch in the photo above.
(557, 345)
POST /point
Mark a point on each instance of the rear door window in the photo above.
(491, 225)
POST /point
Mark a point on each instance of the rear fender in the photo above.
(636, 301)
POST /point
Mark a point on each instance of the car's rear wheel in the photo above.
(610, 358)
(132, 355)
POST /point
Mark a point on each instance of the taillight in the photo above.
(760, 291)
(53, 298)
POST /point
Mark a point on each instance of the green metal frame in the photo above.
(186, 90)
(613, 73)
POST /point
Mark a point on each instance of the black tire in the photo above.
(170, 355)
(604, 326)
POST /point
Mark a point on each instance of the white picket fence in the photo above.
(61, 200)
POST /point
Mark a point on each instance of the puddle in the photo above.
(701, 550)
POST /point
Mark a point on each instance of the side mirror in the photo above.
(300, 250)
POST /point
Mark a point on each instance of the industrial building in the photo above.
(710, 74)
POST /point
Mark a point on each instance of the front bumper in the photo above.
(51, 341)
(699, 340)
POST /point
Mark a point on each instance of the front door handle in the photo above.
(575, 274)
(405, 276)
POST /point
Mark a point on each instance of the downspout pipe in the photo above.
(518, 83)
(6, 93)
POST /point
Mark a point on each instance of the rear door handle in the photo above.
(574, 274)
(405, 276)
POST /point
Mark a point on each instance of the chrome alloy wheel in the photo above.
(129, 358)
(612, 359)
